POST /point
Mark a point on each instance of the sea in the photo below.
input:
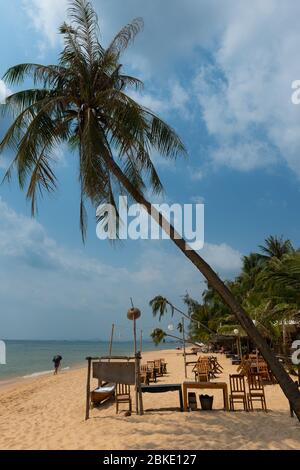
(28, 359)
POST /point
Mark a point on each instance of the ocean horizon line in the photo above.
(78, 340)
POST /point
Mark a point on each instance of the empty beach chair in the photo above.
(152, 371)
(201, 372)
(123, 396)
(256, 391)
(263, 371)
(237, 391)
(163, 366)
(158, 367)
(144, 375)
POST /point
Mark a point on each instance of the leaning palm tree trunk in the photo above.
(288, 386)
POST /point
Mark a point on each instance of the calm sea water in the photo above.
(30, 358)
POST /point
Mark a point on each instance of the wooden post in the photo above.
(138, 376)
(111, 340)
(88, 389)
(136, 369)
(134, 335)
(239, 346)
(183, 340)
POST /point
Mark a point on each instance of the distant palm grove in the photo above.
(268, 287)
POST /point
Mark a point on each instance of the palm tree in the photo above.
(276, 247)
(160, 304)
(83, 101)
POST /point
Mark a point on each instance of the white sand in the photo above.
(48, 413)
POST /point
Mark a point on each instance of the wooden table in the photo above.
(163, 388)
(205, 385)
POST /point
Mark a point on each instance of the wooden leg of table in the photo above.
(225, 397)
(180, 400)
(184, 398)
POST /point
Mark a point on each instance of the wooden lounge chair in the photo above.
(256, 391)
(237, 391)
(103, 393)
(123, 396)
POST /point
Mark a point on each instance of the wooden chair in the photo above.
(237, 391)
(163, 366)
(123, 396)
(144, 374)
(256, 391)
(151, 370)
(244, 367)
(201, 372)
(263, 371)
(158, 367)
(214, 367)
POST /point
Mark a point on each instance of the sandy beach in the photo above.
(47, 413)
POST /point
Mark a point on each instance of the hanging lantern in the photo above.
(133, 314)
(171, 327)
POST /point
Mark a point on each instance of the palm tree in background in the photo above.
(276, 247)
(83, 101)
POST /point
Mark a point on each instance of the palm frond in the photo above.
(164, 139)
(42, 179)
(124, 38)
(85, 20)
(46, 74)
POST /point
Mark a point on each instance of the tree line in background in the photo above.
(268, 288)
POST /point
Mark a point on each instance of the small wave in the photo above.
(45, 372)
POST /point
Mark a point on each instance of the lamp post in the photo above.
(133, 314)
(238, 342)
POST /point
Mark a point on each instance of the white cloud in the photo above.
(179, 98)
(196, 174)
(246, 95)
(157, 105)
(46, 16)
(198, 199)
(245, 156)
(49, 291)
(175, 98)
(222, 257)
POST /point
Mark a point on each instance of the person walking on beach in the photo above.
(57, 360)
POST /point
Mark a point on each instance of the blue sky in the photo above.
(220, 73)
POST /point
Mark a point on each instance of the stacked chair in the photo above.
(207, 368)
(153, 369)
